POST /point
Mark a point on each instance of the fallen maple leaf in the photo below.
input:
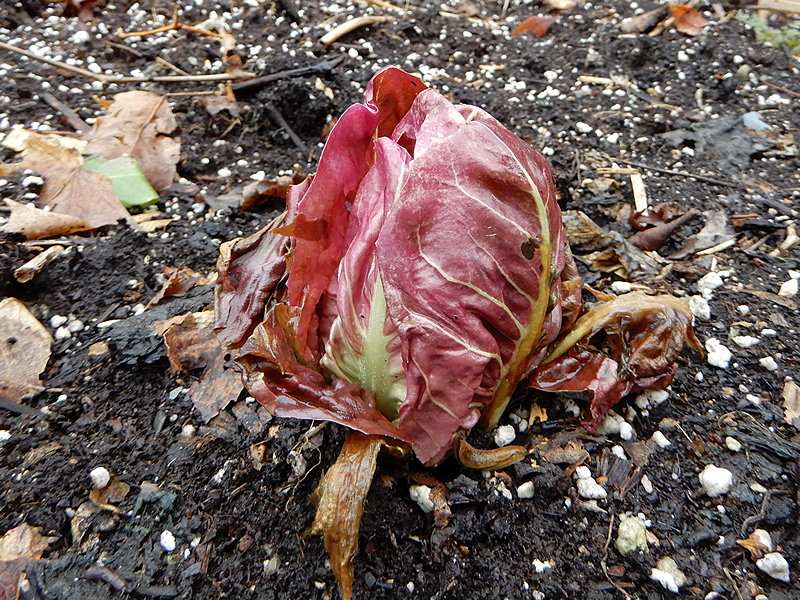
(537, 25)
(687, 19)
(24, 350)
(136, 124)
(68, 188)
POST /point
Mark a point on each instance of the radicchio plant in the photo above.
(412, 284)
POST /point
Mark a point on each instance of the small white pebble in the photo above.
(167, 540)
(540, 566)
(745, 341)
(583, 472)
(75, 326)
(504, 435)
(665, 579)
(718, 355)
(525, 490)
(421, 494)
(583, 127)
(32, 180)
(708, 283)
(768, 333)
(647, 485)
(619, 452)
(716, 481)
(100, 477)
(660, 439)
(621, 287)
(187, 432)
(775, 565)
(768, 363)
(611, 424)
(733, 444)
(788, 288)
(700, 307)
(763, 537)
(651, 397)
(591, 490)
(57, 321)
(743, 309)
(626, 430)
(62, 333)
(5, 434)
(224, 172)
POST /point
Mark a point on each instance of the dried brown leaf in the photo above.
(178, 281)
(687, 19)
(37, 224)
(340, 499)
(645, 21)
(18, 547)
(137, 124)
(115, 491)
(755, 545)
(68, 189)
(24, 541)
(24, 350)
(191, 344)
(537, 25)
(791, 403)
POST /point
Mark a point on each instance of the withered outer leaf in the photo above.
(652, 330)
(340, 499)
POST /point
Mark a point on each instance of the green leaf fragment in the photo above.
(130, 184)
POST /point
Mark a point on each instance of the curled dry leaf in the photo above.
(18, 547)
(791, 403)
(24, 350)
(642, 337)
(37, 224)
(687, 19)
(138, 124)
(340, 499)
(114, 492)
(536, 24)
(655, 237)
(177, 282)
(191, 344)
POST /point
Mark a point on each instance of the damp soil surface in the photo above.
(707, 120)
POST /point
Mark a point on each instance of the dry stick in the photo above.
(257, 82)
(777, 87)
(277, 117)
(348, 26)
(77, 123)
(671, 172)
(103, 78)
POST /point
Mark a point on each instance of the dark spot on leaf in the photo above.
(529, 248)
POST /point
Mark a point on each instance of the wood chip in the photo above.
(348, 26)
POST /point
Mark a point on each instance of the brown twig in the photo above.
(103, 78)
(278, 119)
(680, 174)
(257, 82)
(77, 123)
(782, 89)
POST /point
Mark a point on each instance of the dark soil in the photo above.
(240, 532)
